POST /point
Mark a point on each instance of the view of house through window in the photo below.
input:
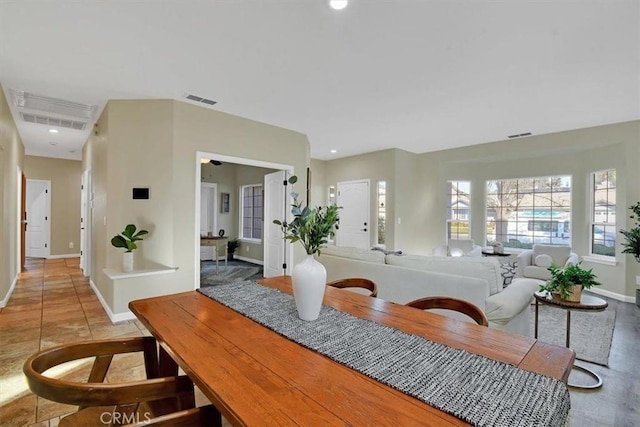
(603, 213)
(251, 208)
(525, 211)
(458, 211)
(382, 211)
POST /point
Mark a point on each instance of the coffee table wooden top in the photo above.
(587, 302)
(256, 377)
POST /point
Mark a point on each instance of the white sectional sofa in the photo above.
(403, 278)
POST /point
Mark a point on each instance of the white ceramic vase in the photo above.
(309, 278)
(127, 262)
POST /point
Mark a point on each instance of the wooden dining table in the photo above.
(255, 376)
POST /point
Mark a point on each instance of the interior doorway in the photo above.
(268, 217)
(38, 218)
(86, 204)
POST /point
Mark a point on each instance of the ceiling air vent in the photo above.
(200, 99)
(56, 106)
(53, 121)
(518, 135)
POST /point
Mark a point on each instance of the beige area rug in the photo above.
(591, 332)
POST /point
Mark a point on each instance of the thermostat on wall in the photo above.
(140, 193)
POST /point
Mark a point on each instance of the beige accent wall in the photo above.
(65, 177)
(419, 184)
(11, 160)
(154, 143)
(319, 186)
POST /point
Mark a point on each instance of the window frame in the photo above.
(603, 224)
(563, 214)
(450, 209)
(241, 227)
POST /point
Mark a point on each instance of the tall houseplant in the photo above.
(127, 240)
(631, 243)
(312, 227)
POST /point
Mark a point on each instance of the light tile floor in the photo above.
(51, 304)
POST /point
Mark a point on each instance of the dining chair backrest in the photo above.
(455, 304)
(155, 395)
(356, 282)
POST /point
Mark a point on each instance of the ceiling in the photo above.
(420, 75)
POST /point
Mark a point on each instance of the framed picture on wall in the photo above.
(224, 203)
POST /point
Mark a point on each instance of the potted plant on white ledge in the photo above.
(127, 240)
(312, 227)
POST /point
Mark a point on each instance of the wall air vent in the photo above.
(519, 135)
(55, 106)
(200, 99)
(53, 121)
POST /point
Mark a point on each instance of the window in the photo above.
(252, 212)
(525, 211)
(382, 211)
(458, 210)
(603, 213)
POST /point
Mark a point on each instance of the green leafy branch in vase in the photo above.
(311, 226)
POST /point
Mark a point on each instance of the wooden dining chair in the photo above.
(455, 304)
(103, 403)
(356, 282)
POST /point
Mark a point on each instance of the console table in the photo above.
(214, 248)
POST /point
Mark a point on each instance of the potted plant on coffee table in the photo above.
(127, 240)
(312, 227)
(568, 282)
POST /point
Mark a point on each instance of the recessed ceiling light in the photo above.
(333, 151)
(53, 131)
(338, 4)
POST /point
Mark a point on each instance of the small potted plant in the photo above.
(127, 240)
(232, 245)
(568, 282)
(631, 243)
(311, 226)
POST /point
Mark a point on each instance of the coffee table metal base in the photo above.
(590, 373)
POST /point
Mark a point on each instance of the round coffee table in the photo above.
(587, 303)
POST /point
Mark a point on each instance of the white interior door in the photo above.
(275, 207)
(85, 222)
(38, 218)
(355, 225)
(208, 209)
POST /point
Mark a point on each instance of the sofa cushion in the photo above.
(535, 272)
(481, 268)
(559, 254)
(543, 261)
(354, 253)
(463, 245)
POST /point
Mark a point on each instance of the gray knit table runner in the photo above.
(476, 389)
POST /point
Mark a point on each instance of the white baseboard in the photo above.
(115, 318)
(63, 256)
(251, 260)
(612, 295)
(5, 301)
